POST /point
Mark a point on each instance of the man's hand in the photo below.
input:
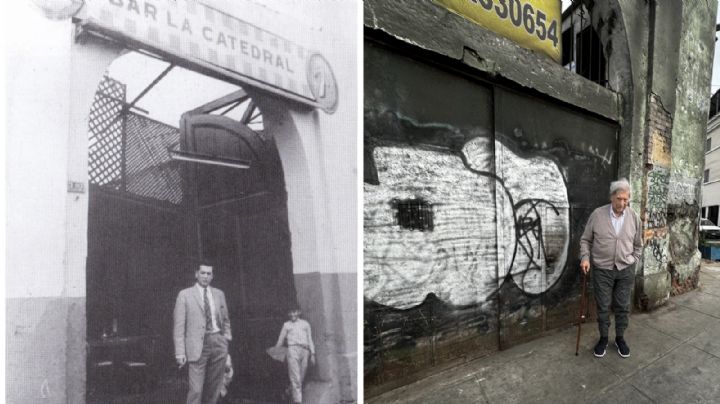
(312, 358)
(585, 266)
(180, 360)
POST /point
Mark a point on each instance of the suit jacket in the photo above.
(189, 321)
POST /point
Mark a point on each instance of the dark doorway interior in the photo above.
(712, 213)
(591, 60)
(238, 221)
(151, 220)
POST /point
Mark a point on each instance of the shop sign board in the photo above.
(533, 24)
(197, 31)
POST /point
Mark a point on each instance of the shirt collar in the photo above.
(200, 288)
(612, 214)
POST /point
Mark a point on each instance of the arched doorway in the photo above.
(238, 221)
(161, 200)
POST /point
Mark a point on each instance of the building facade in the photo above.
(711, 171)
(110, 210)
(483, 160)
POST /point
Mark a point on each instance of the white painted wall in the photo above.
(332, 28)
(338, 43)
(38, 87)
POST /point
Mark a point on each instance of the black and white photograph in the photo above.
(181, 195)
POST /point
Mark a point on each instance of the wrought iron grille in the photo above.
(414, 214)
(128, 152)
(105, 134)
(149, 170)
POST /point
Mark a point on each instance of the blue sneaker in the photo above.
(622, 347)
(600, 347)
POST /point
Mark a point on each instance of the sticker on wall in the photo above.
(533, 24)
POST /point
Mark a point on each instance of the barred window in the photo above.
(414, 214)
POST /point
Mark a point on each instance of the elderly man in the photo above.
(201, 334)
(612, 242)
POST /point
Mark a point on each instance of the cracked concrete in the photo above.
(675, 358)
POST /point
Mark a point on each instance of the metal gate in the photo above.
(153, 218)
(237, 220)
(475, 196)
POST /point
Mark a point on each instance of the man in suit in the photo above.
(202, 334)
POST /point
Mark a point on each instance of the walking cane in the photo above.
(581, 315)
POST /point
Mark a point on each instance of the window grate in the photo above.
(128, 152)
(414, 214)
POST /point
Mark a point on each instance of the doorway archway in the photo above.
(153, 217)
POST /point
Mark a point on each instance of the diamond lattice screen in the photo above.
(150, 172)
(137, 161)
(105, 134)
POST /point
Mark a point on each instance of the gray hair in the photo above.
(620, 185)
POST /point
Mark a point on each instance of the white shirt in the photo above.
(213, 312)
(617, 221)
(297, 333)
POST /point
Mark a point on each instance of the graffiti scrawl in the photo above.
(497, 215)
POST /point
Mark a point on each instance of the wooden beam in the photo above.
(246, 118)
(234, 97)
(164, 73)
(231, 107)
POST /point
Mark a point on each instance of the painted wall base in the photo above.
(684, 276)
(45, 340)
(328, 302)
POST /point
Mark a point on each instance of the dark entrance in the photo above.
(152, 219)
(238, 221)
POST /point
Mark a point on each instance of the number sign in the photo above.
(533, 24)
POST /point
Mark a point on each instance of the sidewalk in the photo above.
(675, 358)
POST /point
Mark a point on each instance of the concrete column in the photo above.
(90, 58)
(326, 296)
(51, 84)
(36, 141)
(676, 107)
(299, 143)
(653, 287)
(692, 91)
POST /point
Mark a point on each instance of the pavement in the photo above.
(675, 358)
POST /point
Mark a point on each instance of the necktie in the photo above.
(208, 314)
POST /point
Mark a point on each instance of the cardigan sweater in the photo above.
(608, 250)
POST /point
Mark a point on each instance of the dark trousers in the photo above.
(613, 286)
(206, 374)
